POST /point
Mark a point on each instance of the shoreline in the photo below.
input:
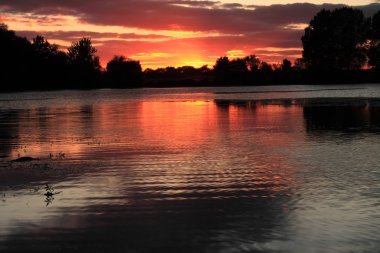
(196, 86)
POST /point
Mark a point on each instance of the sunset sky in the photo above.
(163, 33)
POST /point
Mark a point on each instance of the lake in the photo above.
(224, 169)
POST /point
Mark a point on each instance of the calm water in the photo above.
(245, 169)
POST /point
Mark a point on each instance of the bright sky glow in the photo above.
(161, 34)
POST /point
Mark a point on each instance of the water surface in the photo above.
(243, 169)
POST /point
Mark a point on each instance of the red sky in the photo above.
(163, 33)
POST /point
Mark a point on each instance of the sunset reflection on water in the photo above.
(209, 175)
(166, 125)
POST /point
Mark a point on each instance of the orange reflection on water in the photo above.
(172, 150)
(167, 124)
(235, 144)
(48, 132)
(177, 123)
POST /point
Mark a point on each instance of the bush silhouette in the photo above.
(334, 40)
(124, 73)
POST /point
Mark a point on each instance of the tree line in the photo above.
(39, 65)
(339, 46)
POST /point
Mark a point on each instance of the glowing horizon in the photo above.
(172, 33)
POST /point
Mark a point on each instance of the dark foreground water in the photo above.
(253, 169)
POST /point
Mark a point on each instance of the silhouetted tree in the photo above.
(252, 63)
(227, 70)
(16, 59)
(82, 52)
(50, 64)
(238, 66)
(184, 76)
(333, 40)
(375, 26)
(374, 49)
(42, 47)
(299, 64)
(124, 72)
(221, 69)
(221, 64)
(286, 65)
(338, 41)
(265, 68)
(187, 70)
(204, 69)
(85, 66)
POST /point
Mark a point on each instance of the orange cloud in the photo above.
(167, 32)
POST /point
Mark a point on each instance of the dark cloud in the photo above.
(196, 3)
(75, 35)
(241, 27)
(164, 14)
(232, 6)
